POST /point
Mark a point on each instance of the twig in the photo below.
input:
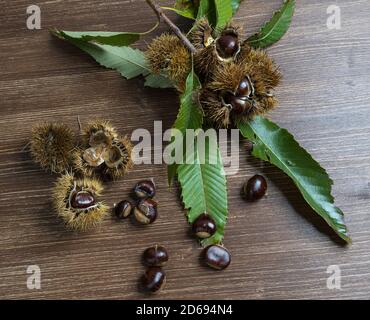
(160, 13)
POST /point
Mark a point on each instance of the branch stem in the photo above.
(160, 13)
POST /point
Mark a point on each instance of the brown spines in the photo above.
(114, 160)
(210, 54)
(233, 30)
(226, 78)
(79, 219)
(98, 132)
(117, 158)
(82, 166)
(201, 36)
(101, 155)
(261, 68)
(166, 54)
(264, 76)
(51, 146)
(205, 61)
(215, 112)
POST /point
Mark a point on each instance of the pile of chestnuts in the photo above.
(154, 278)
(241, 101)
(215, 256)
(145, 211)
(155, 257)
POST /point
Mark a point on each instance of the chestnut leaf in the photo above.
(185, 8)
(218, 12)
(274, 29)
(224, 13)
(119, 39)
(207, 9)
(204, 189)
(190, 116)
(129, 62)
(235, 5)
(197, 9)
(158, 81)
(277, 146)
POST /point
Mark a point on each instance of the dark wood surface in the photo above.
(280, 248)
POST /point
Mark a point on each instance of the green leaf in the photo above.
(235, 5)
(203, 190)
(207, 9)
(109, 38)
(158, 81)
(274, 30)
(224, 13)
(218, 12)
(278, 146)
(189, 116)
(185, 8)
(119, 39)
(188, 13)
(127, 61)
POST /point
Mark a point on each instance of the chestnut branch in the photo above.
(161, 15)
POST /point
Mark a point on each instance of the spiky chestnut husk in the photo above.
(166, 54)
(117, 158)
(263, 75)
(201, 36)
(52, 145)
(79, 218)
(98, 133)
(209, 56)
(84, 167)
(112, 161)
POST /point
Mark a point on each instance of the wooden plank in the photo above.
(280, 248)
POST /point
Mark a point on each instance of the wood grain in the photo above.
(280, 248)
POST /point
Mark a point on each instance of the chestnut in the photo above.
(255, 188)
(244, 89)
(155, 256)
(154, 279)
(238, 105)
(227, 45)
(146, 211)
(217, 257)
(204, 226)
(123, 209)
(145, 189)
(82, 200)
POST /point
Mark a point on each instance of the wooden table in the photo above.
(280, 248)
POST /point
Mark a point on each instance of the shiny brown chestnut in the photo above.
(244, 89)
(82, 200)
(238, 105)
(155, 256)
(123, 209)
(227, 45)
(204, 226)
(146, 211)
(217, 257)
(154, 279)
(145, 189)
(255, 188)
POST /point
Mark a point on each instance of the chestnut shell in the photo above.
(217, 257)
(154, 279)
